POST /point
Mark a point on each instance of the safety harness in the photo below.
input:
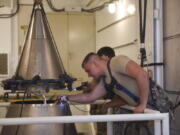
(114, 84)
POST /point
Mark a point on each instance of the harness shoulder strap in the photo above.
(113, 80)
(114, 83)
(109, 87)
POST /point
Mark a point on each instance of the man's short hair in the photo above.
(107, 51)
(88, 58)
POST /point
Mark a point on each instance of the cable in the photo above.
(13, 14)
(142, 26)
(92, 10)
(53, 8)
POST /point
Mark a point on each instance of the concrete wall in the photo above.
(172, 54)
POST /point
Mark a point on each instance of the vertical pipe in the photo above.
(14, 45)
(110, 124)
(165, 125)
(91, 124)
(158, 41)
(157, 127)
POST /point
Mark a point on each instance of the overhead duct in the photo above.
(40, 64)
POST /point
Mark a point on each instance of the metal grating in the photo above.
(3, 63)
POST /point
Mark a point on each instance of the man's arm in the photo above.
(98, 92)
(90, 85)
(142, 80)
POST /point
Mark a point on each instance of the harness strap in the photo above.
(118, 86)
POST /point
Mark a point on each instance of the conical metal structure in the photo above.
(40, 56)
(40, 64)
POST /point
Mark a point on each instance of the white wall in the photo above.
(116, 31)
(5, 38)
(8, 40)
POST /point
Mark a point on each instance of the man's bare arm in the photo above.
(118, 101)
(90, 85)
(98, 92)
(142, 80)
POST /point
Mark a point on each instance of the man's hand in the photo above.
(142, 80)
(61, 99)
(139, 109)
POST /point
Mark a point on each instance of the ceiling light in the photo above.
(121, 10)
(131, 9)
(112, 8)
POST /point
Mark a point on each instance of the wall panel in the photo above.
(172, 54)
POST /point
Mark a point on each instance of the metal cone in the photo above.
(40, 56)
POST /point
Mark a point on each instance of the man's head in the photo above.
(92, 65)
(106, 53)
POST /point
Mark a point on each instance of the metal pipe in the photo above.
(110, 123)
(158, 41)
(147, 110)
(90, 118)
(157, 126)
(165, 125)
(89, 3)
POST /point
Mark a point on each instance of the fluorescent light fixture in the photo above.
(112, 8)
(131, 9)
(121, 10)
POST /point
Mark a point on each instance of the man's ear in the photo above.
(96, 63)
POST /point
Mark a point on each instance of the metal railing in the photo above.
(161, 120)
